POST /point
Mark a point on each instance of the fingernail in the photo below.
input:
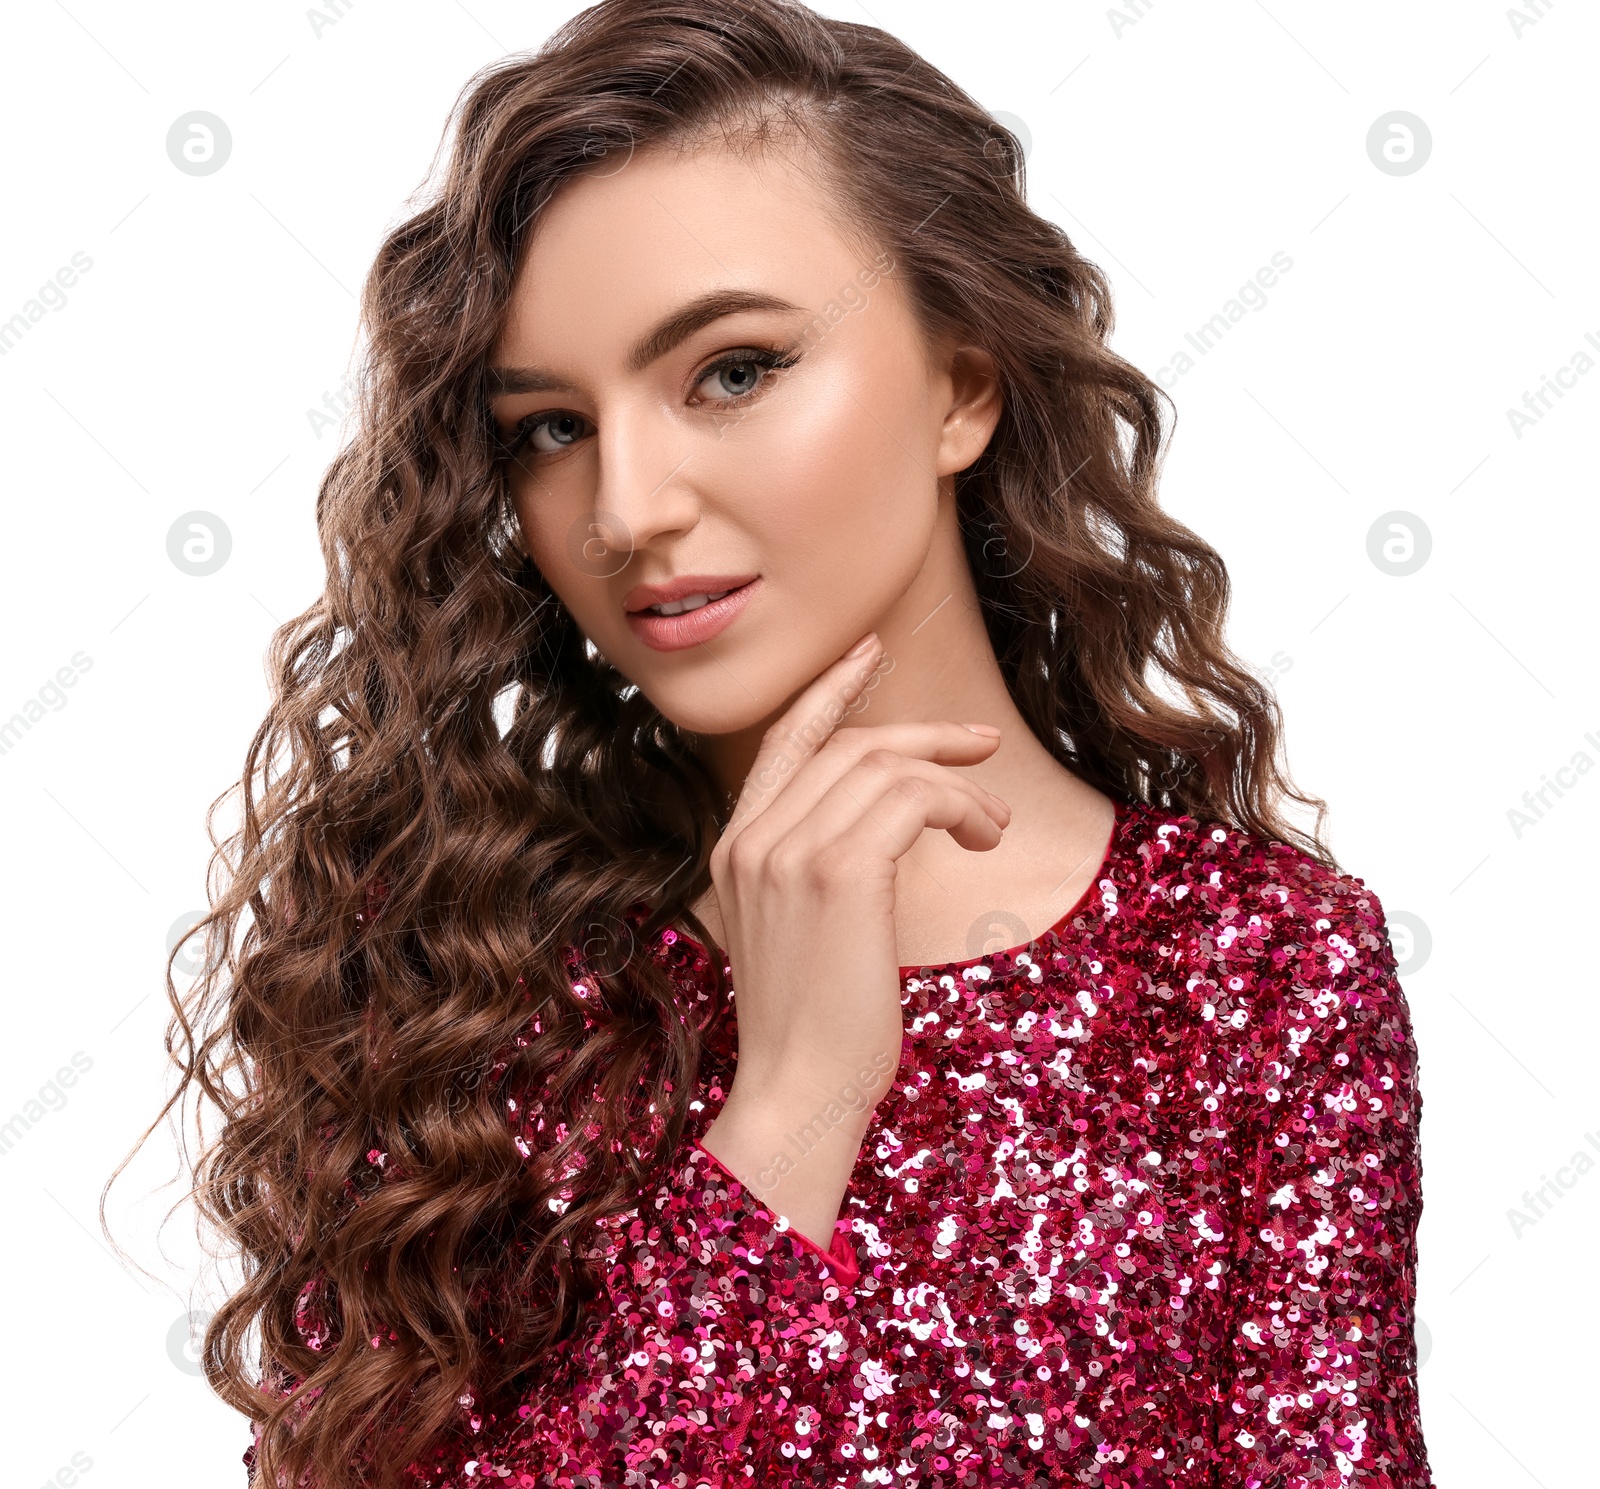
(988, 729)
(864, 645)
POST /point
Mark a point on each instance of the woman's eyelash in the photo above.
(512, 443)
(757, 356)
(764, 357)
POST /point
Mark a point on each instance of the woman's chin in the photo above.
(705, 717)
(721, 697)
(731, 690)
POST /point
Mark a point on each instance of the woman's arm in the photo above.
(805, 876)
(838, 1255)
(715, 1314)
(1322, 1386)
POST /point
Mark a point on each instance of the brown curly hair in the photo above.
(440, 730)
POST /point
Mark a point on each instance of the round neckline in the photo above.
(1011, 953)
(1121, 812)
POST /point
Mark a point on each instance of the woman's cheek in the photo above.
(812, 466)
(554, 531)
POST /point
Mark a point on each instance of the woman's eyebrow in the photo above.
(681, 324)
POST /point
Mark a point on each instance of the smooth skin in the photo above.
(888, 805)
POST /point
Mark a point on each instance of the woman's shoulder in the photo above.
(1285, 959)
(1235, 885)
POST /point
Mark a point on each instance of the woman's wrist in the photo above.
(794, 1155)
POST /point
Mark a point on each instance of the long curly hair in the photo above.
(458, 819)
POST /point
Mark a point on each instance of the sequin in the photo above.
(1140, 1209)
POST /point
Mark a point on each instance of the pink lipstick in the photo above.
(686, 611)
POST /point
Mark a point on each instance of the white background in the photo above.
(1181, 147)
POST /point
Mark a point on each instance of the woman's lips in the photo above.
(674, 632)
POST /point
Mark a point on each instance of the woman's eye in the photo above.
(734, 376)
(730, 380)
(548, 434)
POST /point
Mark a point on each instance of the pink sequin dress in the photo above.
(1139, 1209)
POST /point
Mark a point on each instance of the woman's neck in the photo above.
(938, 663)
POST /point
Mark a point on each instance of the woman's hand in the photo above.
(805, 885)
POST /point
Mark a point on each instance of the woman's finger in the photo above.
(879, 809)
(804, 728)
(937, 743)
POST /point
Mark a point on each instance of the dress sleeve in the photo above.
(716, 1314)
(840, 1256)
(1320, 1389)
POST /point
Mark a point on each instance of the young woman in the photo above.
(747, 595)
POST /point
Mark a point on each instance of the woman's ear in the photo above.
(974, 409)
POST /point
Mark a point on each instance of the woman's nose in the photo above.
(645, 488)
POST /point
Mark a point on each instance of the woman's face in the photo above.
(708, 389)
